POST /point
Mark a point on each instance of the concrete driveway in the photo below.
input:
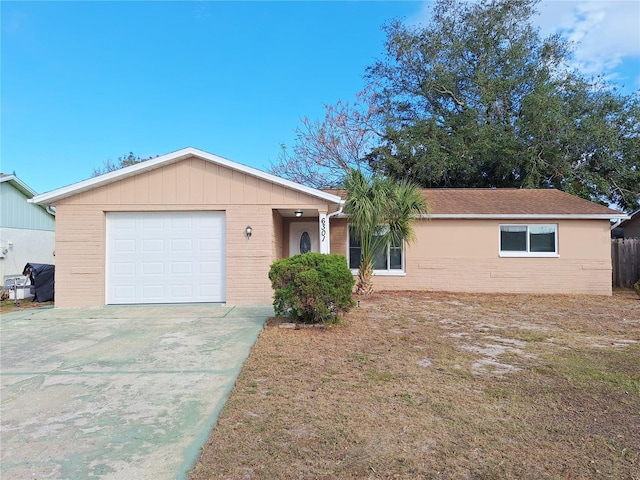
(117, 392)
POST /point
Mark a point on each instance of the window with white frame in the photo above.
(389, 259)
(534, 240)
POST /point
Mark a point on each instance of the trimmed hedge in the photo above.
(312, 287)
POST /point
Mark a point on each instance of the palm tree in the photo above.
(381, 212)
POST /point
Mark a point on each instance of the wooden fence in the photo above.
(625, 259)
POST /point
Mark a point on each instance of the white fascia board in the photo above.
(20, 185)
(528, 216)
(514, 216)
(52, 197)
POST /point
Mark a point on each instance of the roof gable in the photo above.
(18, 184)
(16, 210)
(50, 198)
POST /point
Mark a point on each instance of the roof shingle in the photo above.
(506, 201)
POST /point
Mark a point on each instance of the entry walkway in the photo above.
(117, 393)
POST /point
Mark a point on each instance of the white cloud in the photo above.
(606, 34)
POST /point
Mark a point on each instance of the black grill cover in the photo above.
(42, 278)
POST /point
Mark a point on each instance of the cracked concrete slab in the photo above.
(117, 392)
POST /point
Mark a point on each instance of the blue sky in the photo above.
(82, 82)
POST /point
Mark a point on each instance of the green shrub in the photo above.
(636, 287)
(312, 287)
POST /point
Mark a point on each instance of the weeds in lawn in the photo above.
(439, 386)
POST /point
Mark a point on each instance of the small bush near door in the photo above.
(312, 287)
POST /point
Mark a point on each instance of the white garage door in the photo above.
(165, 257)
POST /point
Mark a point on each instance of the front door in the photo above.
(303, 238)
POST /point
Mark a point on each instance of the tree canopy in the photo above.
(477, 99)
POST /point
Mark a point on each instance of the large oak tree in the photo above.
(478, 99)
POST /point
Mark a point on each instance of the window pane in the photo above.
(395, 258)
(354, 251)
(380, 259)
(542, 238)
(354, 258)
(305, 243)
(513, 238)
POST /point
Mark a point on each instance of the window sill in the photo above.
(528, 255)
(385, 273)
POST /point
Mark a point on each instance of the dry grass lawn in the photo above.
(8, 306)
(437, 385)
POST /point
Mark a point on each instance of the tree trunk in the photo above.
(364, 285)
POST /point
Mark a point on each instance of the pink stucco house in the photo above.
(190, 226)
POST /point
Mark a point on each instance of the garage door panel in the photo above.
(182, 291)
(206, 290)
(181, 268)
(165, 257)
(181, 245)
(124, 268)
(152, 223)
(126, 292)
(209, 267)
(181, 222)
(152, 268)
(125, 246)
(152, 293)
(153, 245)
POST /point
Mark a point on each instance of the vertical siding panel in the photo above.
(277, 194)
(196, 181)
(237, 180)
(291, 196)
(155, 187)
(169, 184)
(127, 190)
(223, 184)
(263, 192)
(141, 189)
(250, 190)
(211, 183)
(113, 193)
(99, 196)
(183, 181)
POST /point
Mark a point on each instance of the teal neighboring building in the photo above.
(27, 231)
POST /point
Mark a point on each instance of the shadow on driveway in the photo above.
(117, 392)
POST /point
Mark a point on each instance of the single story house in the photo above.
(27, 231)
(190, 226)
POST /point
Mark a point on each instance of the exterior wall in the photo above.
(463, 256)
(15, 212)
(191, 184)
(278, 235)
(29, 246)
(28, 228)
(632, 228)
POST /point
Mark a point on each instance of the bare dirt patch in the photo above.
(436, 385)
